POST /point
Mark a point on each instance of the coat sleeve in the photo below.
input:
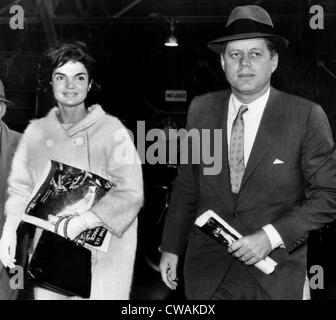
(184, 199)
(318, 165)
(120, 206)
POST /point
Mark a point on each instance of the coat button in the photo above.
(49, 143)
(79, 141)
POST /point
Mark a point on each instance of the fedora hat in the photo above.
(2, 94)
(247, 22)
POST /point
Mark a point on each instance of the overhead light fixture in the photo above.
(171, 40)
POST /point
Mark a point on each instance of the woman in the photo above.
(89, 139)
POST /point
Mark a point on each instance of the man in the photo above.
(8, 142)
(277, 183)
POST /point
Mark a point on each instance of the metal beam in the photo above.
(6, 8)
(127, 8)
(46, 12)
(21, 54)
(146, 20)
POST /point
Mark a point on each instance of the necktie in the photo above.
(237, 165)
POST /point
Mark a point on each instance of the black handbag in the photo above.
(61, 265)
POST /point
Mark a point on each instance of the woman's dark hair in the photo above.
(62, 53)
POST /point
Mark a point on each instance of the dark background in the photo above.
(134, 69)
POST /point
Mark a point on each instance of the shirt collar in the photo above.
(259, 103)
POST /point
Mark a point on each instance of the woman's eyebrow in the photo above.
(77, 74)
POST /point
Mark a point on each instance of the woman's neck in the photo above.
(72, 114)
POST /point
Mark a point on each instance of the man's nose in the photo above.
(245, 61)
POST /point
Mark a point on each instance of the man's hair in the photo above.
(269, 43)
(62, 53)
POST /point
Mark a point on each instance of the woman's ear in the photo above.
(90, 85)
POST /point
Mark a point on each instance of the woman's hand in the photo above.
(75, 226)
(8, 247)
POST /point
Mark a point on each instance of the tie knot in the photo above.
(242, 109)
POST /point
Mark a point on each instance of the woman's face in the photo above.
(70, 84)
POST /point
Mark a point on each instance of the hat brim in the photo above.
(279, 41)
(2, 99)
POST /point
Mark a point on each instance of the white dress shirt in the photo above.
(252, 118)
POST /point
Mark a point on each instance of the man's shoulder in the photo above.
(214, 95)
(294, 101)
(206, 102)
(15, 135)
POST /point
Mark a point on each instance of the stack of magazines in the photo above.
(64, 189)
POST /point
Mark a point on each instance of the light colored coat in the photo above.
(92, 144)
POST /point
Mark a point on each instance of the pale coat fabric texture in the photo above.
(8, 143)
(101, 144)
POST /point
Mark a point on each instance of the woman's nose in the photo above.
(70, 83)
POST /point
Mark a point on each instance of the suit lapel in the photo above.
(225, 172)
(218, 120)
(270, 125)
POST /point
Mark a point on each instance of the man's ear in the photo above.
(275, 60)
(222, 61)
(2, 109)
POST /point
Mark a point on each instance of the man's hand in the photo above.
(252, 248)
(168, 266)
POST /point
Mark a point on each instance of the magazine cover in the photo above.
(213, 225)
(64, 189)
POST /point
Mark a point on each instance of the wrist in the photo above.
(12, 223)
(89, 220)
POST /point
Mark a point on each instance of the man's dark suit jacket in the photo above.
(296, 196)
(8, 143)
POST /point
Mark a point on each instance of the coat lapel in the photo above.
(225, 172)
(270, 125)
(218, 120)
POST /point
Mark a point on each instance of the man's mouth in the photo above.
(246, 76)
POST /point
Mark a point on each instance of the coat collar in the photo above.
(270, 125)
(269, 128)
(95, 114)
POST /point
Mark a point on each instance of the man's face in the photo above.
(70, 84)
(248, 66)
(2, 109)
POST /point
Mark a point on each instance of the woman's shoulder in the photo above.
(110, 121)
(38, 126)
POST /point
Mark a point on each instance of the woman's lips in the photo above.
(69, 94)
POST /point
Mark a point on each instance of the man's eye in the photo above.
(255, 54)
(235, 55)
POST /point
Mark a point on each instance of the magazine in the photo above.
(64, 189)
(213, 225)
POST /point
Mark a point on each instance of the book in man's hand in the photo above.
(214, 226)
(64, 189)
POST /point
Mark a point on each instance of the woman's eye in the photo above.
(59, 78)
(81, 78)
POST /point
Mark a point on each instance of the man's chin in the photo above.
(246, 90)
